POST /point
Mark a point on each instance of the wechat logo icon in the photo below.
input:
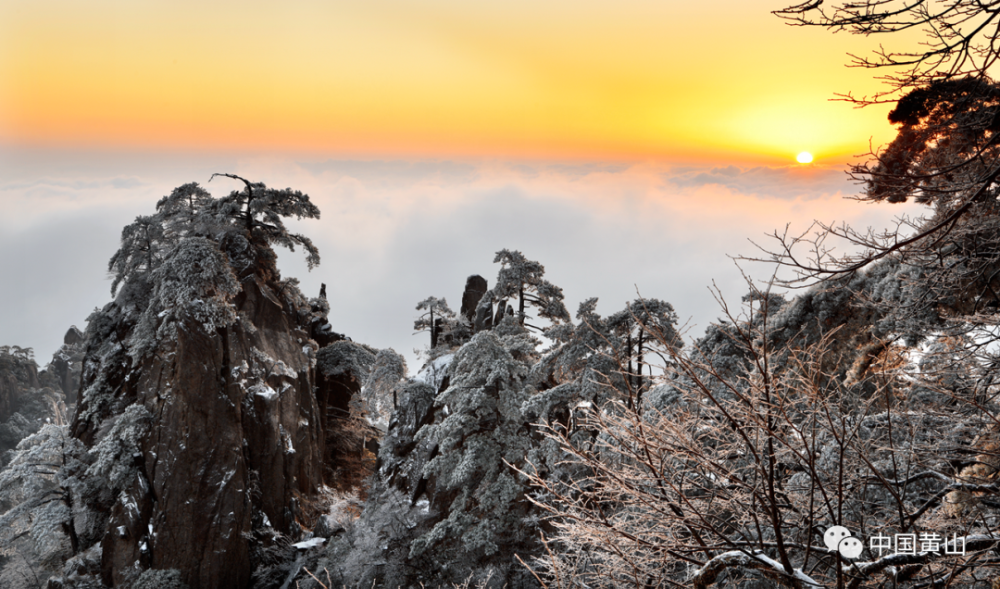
(839, 538)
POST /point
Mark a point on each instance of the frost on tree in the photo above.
(205, 336)
(459, 509)
(788, 395)
(437, 318)
(260, 210)
(521, 280)
(638, 330)
(470, 425)
(602, 359)
(482, 429)
(29, 398)
(113, 455)
(574, 372)
(37, 494)
(379, 394)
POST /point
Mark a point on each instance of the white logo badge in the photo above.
(839, 538)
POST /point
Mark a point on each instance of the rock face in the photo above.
(28, 399)
(237, 444)
(342, 368)
(406, 456)
(320, 329)
(199, 440)
(15, 377)
(475, 287)
(66, 362)
(444, 508)
(375, 551)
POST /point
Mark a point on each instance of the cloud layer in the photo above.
(395, 232)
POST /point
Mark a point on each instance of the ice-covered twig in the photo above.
(706, 575)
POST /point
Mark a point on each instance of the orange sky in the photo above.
(717, 79)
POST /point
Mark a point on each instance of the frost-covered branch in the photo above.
(770, 568)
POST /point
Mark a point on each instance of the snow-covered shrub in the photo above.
(35, 497)
(159, 579)
(354, 360)
(194, 282)
(482, 429)
(114, 460)
(377, 394)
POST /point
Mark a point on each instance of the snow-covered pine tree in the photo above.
(483, 429)
(244, 225)
(639, 329)
(260, 210)
(524, 280)
(435, 319)
(379, 391)
(37, 490)
(141, 248)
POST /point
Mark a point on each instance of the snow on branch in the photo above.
(772, 569)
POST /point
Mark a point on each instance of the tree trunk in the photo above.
(520, 305)
(248, 219)
(638, 377)
(434, 335)
(630, 378)
(501, 307)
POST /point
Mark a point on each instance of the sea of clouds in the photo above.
(394, 232)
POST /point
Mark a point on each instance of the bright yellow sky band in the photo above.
(710, 80)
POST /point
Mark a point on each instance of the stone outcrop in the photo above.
(201, 447)
(28, 398)
(18, 373)
(320, 329)
(342, 368)
(236, 446)
(475, 287)
(403, 463)
(66, 363)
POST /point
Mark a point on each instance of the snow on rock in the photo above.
(311, 543)
(433, 372)
(203, 437)
(289, 448)
(262, 390)
(282, 369)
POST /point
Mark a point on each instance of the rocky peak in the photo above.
(475, 287)
(200, 387)
(67, 362)
(73, 336)
(236, 443)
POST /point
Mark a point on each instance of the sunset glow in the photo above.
(633, 79)
(804, 158)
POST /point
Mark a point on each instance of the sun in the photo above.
(804, 158)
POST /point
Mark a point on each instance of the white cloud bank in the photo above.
(395, 232)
